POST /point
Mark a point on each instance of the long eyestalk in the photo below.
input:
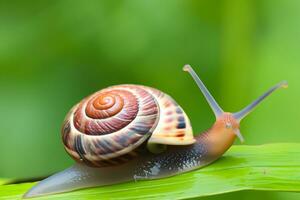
(244, 112)
(209, 98)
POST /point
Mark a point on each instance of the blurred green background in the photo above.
(54, 53)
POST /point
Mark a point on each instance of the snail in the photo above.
(132, 132)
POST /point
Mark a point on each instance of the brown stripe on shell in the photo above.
(112, 144)
(112, 161)
(66, 128)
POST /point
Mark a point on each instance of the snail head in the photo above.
(225, 120)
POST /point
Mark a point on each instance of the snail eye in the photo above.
(228, 125)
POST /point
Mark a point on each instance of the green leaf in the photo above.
(272, 167)
(3, 181)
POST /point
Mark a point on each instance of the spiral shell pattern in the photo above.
(106, 127)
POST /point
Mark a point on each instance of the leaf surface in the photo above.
(271, 167)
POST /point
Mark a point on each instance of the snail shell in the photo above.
(110, 126)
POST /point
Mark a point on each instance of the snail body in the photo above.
(132, 132)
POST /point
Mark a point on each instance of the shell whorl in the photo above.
(110, 123)
(107, 127)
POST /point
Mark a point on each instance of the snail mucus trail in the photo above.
(158, 162)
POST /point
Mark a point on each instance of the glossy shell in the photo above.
(107, 127)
